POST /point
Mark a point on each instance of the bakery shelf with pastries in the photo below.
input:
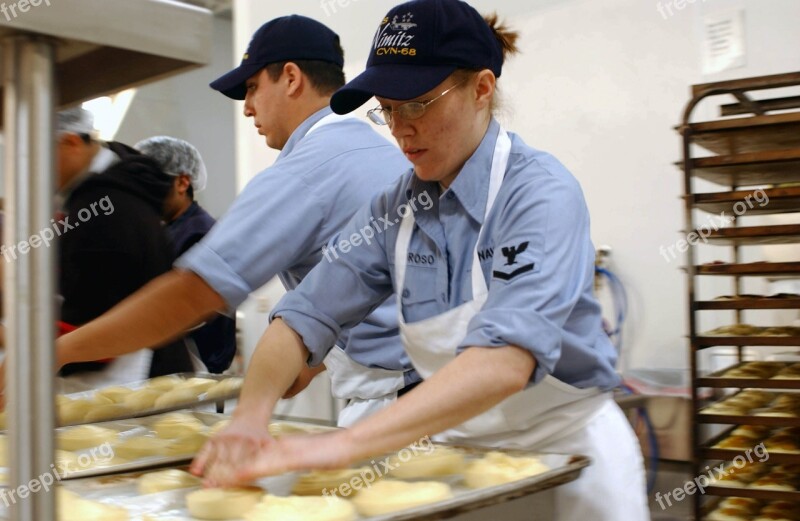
(781, 200)
(750, 301)
(755, 407)
(771, 375)
(749, 509)
(782, 444)
(758, 151)
(757, 480)
(749, 335)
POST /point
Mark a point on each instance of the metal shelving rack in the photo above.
(55, 55)
(756, 148)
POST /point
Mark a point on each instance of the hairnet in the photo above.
(176, 157)
(76, 120)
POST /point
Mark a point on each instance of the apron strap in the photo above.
(502, 150)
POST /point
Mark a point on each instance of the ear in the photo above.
(182, 183)
(484, 88)
(70, 140)
(295, 81)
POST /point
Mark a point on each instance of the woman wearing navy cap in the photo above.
(494, 282)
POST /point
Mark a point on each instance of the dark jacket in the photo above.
(113, 243)
(216, 340)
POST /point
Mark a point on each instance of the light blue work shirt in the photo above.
(535, 252)
(289, 211)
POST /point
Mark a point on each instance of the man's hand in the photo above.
(303, 379)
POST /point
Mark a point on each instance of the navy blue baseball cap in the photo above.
(286, 38)
(417, 46)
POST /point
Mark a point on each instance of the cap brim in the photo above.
(396, 82)
(232, 84)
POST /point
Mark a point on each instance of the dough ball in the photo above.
(296, 508)
(140, 447)
(199, 385)
(177, 425)
(116, 394)
(84, 437)
(278, 429)
(497, 468)
(225, 388)
(106, 412)
(317, 482)
(141, 400)
(176, 397)
(66, 461)
(72, 507)
(165, 383)
(163, 480)
(186, 445)
(387, 496)
(441, 461)
(218, 427)
(222, 503)
(73, 411)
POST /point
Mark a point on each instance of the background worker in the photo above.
(213, 344)
(111, 243)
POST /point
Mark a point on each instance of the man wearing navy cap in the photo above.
(329, 167)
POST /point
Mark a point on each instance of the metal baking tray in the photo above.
(120, 490)
(139, 384)
(130, 428)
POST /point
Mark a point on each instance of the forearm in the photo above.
(477, 380)
(159, 312)
(279, 358)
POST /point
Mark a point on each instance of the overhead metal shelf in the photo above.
(105, 46)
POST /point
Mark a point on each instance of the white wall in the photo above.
(600, 84)
(185, 107)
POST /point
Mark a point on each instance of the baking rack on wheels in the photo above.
(743, 161)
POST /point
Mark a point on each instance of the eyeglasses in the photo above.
(408, 111)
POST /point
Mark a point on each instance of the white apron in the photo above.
(540, 416)
(366, 389)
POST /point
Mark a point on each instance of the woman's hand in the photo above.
(239, 454)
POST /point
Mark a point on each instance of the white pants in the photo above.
(613, 487)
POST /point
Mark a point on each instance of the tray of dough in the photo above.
(144, 398)
(423, 481)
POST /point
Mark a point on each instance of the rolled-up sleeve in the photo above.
(351, 280)
(248, 246)
(540, 270)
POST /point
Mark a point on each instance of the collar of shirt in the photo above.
(301, 131)
(189, 213)
(471, 186)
